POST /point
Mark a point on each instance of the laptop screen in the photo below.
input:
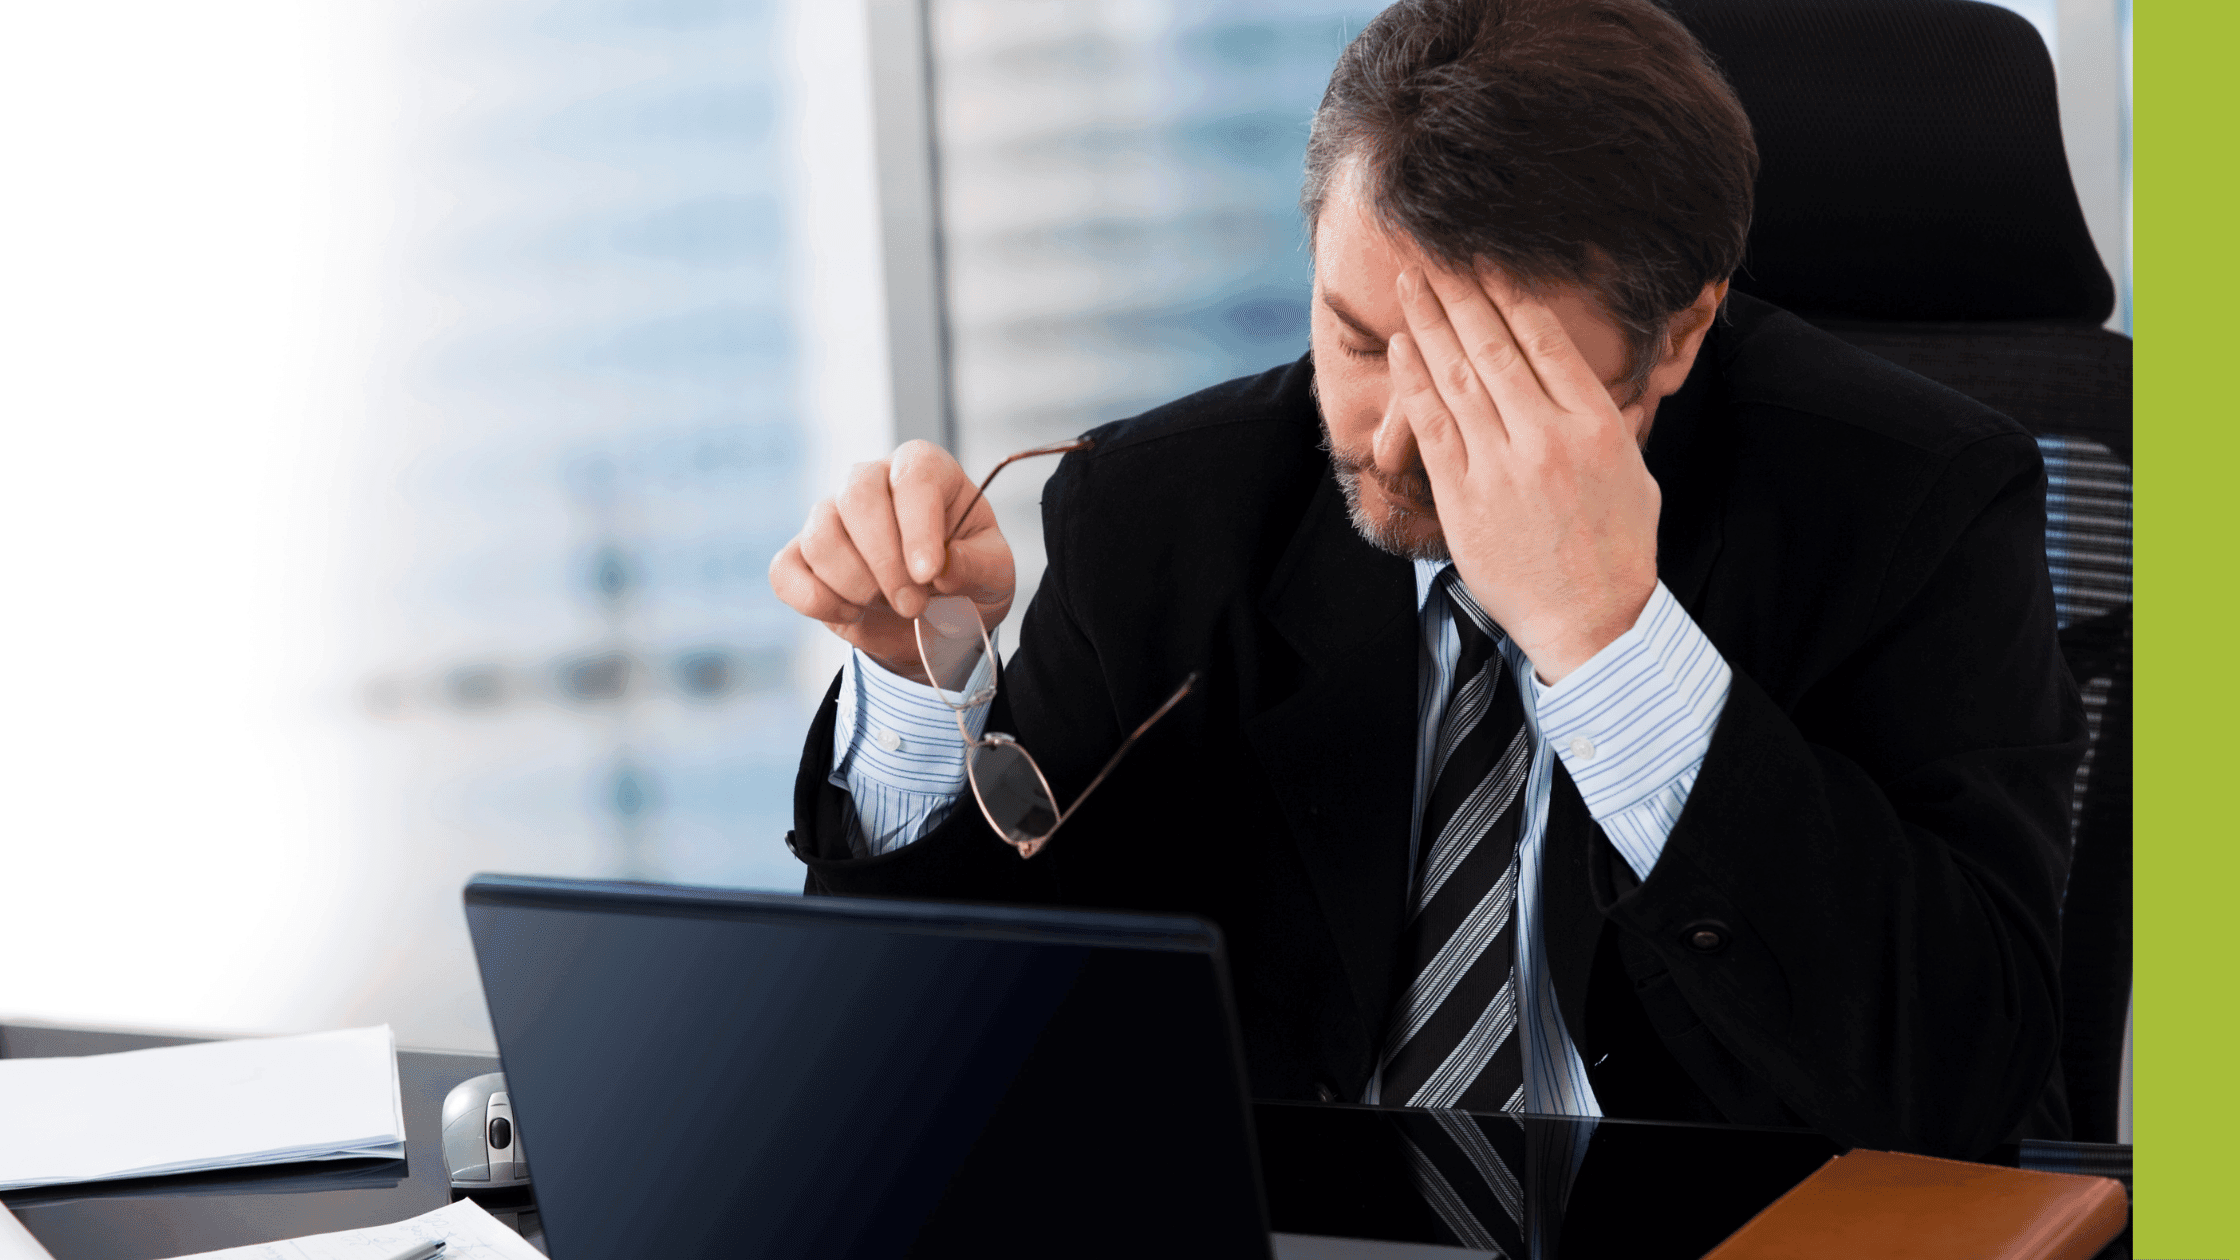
(707, 1072)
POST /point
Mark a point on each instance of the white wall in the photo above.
(219, 242)
(181, 288)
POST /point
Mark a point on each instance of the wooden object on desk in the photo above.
(1890, 1206)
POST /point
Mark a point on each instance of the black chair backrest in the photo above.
(1911, 165)
(1914, 199)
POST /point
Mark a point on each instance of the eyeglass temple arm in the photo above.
(1122, 751)
(1055, 448)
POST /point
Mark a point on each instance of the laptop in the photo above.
(707, 1072)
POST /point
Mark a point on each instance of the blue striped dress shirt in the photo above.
(1631, 725)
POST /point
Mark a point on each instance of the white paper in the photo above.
(16, 1242)
(468, 1233)
(219, 1104)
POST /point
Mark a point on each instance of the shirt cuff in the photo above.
(1632, 725)
(898, 734)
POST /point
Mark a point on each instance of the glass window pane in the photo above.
(1119, 196)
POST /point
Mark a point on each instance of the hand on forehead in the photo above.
(1358, 264)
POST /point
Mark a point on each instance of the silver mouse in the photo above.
(481, 1146)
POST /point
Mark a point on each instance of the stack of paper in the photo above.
(466, 1231)
(16, 1242)
(220, 1104)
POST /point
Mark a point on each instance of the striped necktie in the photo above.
(1474, 1173)
(1500, 1184)
(1452, 1037)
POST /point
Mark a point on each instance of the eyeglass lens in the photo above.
(951, 645)
(1012, 792)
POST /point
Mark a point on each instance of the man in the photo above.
(1615, 696)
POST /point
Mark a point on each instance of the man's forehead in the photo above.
(1357, 258)
(1356, 261)
(1348, 235)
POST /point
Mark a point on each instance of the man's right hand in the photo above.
(871, 557)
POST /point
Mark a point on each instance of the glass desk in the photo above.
(1339, 1185)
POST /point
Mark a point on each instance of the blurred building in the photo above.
(619, 346)
(603, 440)
(1119, 188)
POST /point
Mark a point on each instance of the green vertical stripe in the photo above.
(2187, 846)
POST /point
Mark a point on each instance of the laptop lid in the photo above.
(710, 1072)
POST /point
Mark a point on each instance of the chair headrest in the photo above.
(1911, 161)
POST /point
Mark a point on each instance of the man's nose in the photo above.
(1394, 449)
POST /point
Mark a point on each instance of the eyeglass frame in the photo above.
(979, 696)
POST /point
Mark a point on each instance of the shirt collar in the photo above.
(1427, 580)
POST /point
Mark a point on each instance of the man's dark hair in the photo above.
(1587, 141)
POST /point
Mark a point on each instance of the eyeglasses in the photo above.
(953, 645)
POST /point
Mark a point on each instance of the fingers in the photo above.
(924, 479)
(1446, 456)
(829, 555)
(980, 569)
(929, 486)
(1531, 333)
(877, 548)
(1446, 364)
(867, 513)
(798, 585)
(1481, 341)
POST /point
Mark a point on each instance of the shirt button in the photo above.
(886, 739)
(1582, 748)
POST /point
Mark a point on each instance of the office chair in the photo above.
(1914, 199)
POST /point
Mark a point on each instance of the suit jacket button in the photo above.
(1323, 1091)
(1707, 937)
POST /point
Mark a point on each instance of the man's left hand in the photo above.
(1548, 510)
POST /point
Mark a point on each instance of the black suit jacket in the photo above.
(1875, 844)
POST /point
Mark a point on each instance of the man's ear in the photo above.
(1683, 337)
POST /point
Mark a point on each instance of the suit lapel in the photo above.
(1340, 751)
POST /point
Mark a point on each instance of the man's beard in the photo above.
(1390, 534)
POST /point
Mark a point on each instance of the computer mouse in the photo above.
(481, 1147)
